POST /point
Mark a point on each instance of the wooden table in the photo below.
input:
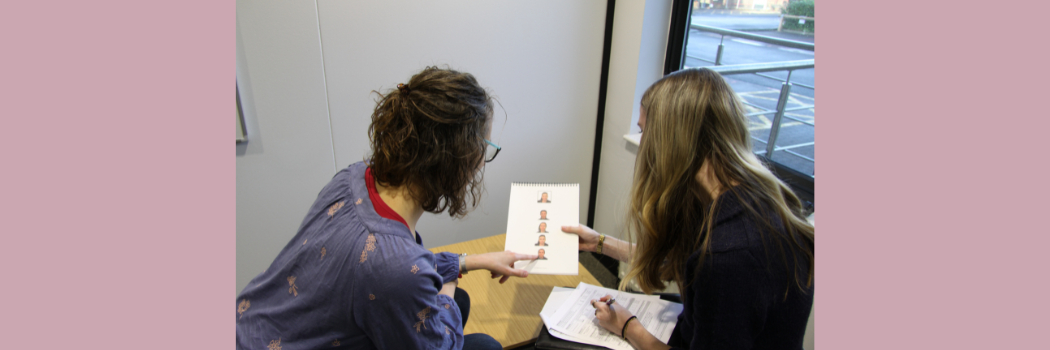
(508, 312)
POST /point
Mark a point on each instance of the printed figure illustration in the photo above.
(422, 315)
(540, 253)
(293, 289)
(543, 241)
(242, 307)
(544, 198)
(543, 215)
(543, 227)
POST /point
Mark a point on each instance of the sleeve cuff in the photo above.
(447, 266)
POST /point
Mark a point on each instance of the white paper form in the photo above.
(534, 220)
(557, 298)
(576, 319)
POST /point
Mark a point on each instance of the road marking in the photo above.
(808, 118)
(749, 42)
(782, 126)
(788, 49)
(794, 146)
(762, 97)
(763, 121)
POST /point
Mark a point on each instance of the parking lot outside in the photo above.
(795, 141)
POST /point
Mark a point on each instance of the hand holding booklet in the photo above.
(568, 315)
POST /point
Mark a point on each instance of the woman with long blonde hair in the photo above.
(708, 215)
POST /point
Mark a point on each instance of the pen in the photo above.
(611, 301)
(607, 302)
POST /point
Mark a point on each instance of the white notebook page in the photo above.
(536, 215)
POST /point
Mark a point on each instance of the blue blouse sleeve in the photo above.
(395, 298)
(447, 266)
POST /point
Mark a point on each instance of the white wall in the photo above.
(542, 59)
(306, 70)
(637, 59)
(288, 156)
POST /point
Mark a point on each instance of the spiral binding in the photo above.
(542, 184)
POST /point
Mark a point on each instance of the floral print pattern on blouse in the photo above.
(347, 259)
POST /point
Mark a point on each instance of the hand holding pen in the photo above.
(608, 303)
(613, 319)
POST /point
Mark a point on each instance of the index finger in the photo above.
(571, 229)
(519, 256)
(602, 308)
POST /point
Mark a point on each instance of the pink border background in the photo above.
(117, 207)
(118, 197)
(933, 183)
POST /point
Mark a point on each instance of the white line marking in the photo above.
(804, 52)
(794, 146)
(749, 42)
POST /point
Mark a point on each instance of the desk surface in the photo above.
(508, 312)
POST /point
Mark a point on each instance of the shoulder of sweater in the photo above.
(728, 261)
(737, 228)
(738, 233)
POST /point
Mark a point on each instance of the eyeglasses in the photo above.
(491, 150)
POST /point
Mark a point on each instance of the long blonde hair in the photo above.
(694, 116)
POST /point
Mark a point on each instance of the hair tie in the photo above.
(404, 88)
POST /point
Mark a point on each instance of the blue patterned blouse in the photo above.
(351, 279)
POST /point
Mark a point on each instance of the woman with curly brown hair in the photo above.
(356, 274)
(709, 216)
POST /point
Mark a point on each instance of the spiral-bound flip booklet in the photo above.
(537, 213)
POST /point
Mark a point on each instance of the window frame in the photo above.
(677, 39)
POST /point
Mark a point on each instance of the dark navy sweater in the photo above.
(737, 299)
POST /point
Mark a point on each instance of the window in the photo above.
(764, 49)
